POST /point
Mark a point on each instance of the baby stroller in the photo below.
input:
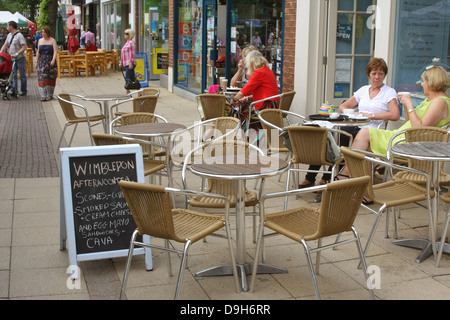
(6, 77)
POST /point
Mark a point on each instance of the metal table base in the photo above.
(423, 244)
(243, 271)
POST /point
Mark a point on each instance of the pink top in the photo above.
(261, 85)
(128, 53)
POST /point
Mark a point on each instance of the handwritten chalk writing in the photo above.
(102, 168)
(102, 219)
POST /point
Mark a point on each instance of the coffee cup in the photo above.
(349, 111)
(334, 115)
(224, 83)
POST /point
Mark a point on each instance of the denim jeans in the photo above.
(21, 65)
(129, 73)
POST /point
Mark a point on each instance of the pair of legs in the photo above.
(130, 75)
(21, 66)
(310, 178)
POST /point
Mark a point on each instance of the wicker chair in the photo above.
(145, 103)
(286, 102)
(150, 165)
(421, 134)
(390, 194)
(340, 203)
(70, 110)
(272, 119)
(446, 199)
(150, 206)
(213, 105)
(309, 147)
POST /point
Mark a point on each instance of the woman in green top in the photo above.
(433, 111)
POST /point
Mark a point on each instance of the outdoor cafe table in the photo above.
(105, 98)
(435, 152)
(240, 168)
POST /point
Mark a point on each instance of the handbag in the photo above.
(131, 84)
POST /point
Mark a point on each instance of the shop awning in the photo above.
(31, 24)
(6, 16)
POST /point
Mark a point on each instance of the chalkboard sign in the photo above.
(98, 222)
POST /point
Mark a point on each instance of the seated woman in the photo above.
(434, 111)
(90, 46)
(240, 77)
(376, 101)
(262, 84)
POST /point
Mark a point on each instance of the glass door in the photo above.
(210, 39)
(351, 35)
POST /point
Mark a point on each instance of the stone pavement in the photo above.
(33, 267)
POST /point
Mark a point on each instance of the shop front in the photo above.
(211, 34)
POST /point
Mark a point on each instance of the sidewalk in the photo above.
(33, 267)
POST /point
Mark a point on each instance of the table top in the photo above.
(342, 123)
(149, 129)
(423, 150)
(239, 167)
(106, 97)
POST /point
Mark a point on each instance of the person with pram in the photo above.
(16, 45)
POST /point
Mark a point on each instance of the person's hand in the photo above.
(405, 99)
(52, 63)
(241, 65)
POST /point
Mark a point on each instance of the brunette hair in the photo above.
(375, 64)
(46, 30)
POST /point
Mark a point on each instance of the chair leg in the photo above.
(183, 262)
(311, 269)
(62, 136)
(73, 134)
(363, 260)
(444, 235)
(127, 267)
(372, 233)
(169, 260)
(319, 244)
(257, 253)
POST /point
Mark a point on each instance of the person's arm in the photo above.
(238, 75)
(55, 52)
(437, 111)
(393, 114)
(348, 104)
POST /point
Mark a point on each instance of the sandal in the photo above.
(366, 202)
(307, 185)
(341, 175)
(321, 183)
(43, 99)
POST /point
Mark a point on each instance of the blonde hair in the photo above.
(255, 60)
(437, 78)
(130, 33)
(248, 49)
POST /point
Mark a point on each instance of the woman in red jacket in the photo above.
(262, 84)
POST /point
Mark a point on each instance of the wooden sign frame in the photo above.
(67, 219)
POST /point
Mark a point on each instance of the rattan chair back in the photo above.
(213, 105)
(150, 92)
(286, 101)
(145, 103)
(309, 145)
(151, 209)
(137, 117)
(274, 117)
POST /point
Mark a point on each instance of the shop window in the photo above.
(422, 38)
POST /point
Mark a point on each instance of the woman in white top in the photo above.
(376, 101)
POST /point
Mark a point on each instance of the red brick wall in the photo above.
(171, 26)
(290, 13)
